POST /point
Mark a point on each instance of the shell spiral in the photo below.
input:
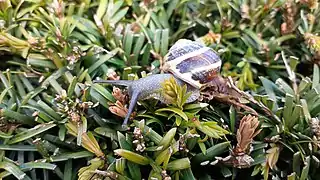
(192, 62)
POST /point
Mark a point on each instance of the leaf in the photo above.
(285, 87)
(163, 157)
(72, 87)
(202, 147)
(167, 139)
(13, 169)
(270, 88)
(316, 76)
(133, 157)
(305, 169)
(18, 148)
(147, 131)
(137, 49)
(30, 133)
(174, 110)
(102, 60)
(296, 162)
(225, 172)
(102, 91)
(164, 42)
(123, 142)
(71, 155)
(31, 165)
(179, 164)
(5, 135)
(107, 132)
(292, 176)
(232, 113)
(187, 174)
(49, 110)
(305, 109)
(211, 153)
(68, 170)
(102, 8)
(134, 170)
(120, 165)
(146, 54)
(3, 93)
(157, 40)
(195, 106)
(119, 15)
(18, 117)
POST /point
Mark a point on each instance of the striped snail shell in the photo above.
(192, 62)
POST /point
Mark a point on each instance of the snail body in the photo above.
(188, 62)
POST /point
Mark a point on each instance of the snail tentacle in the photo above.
(133, 102)
(115, 82)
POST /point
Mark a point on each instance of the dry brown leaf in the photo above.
(246, 132)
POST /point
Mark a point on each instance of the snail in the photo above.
(188, 62)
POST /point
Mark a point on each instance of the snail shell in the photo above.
(192, 62)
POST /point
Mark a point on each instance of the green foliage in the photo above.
(55, 123)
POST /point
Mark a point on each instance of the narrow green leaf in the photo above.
(164, 42)
(134, 170)
(113, 7)
(49, 110)
(120, 165)
(174, 110)
(102, 60)
(211, 153)
(102, 8)
(41, 63)
(288, 108)
(30, 133)
(286, 88)
(296, 162)
(179, 164)
(292, 176)
(233, 119)
(305, 169)
(146, 54)
(30, 166)
(102, 91)
(316, 76)
(18, 117)
(153, 135)
(187, 174)
(3, 93)
(67, 175)
(119, 15)
(225, 172)
(107, 132)
(72, 155)
(131, 156)
(203, 147)
(5, 135)
(18, 148)
(128, 43)
(138, 47)
(72, 87)
(14, 170)
(167, 139)
(305, 109)
(123, 142)
(157, 40)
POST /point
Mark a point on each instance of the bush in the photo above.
(259, 120)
